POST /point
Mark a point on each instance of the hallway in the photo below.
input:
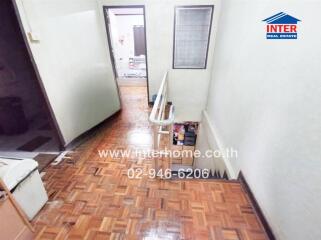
(92, 197)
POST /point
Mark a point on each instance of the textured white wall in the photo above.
(188, 88)
(73, 61)
(264, 101)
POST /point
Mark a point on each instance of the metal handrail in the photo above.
(158, 112)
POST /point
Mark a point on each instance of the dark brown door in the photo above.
(139, 40)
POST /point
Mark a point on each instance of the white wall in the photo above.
(188, 88)
(264, 101)
(73, 61)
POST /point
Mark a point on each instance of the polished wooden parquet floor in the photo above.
(92, 197)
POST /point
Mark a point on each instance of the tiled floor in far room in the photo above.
(92, 197)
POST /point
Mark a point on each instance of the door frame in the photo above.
(112, 58)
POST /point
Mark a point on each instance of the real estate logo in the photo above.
(281, 26)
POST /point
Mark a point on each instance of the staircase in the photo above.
(162, 118)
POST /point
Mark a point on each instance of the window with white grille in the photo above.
(191, 36)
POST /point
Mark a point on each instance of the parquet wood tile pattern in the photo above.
(92, 197)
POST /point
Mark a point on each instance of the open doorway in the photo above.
(26, 125)
(127, 43)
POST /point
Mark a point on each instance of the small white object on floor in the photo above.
(61, 157)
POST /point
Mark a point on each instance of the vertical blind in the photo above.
(191, 36)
